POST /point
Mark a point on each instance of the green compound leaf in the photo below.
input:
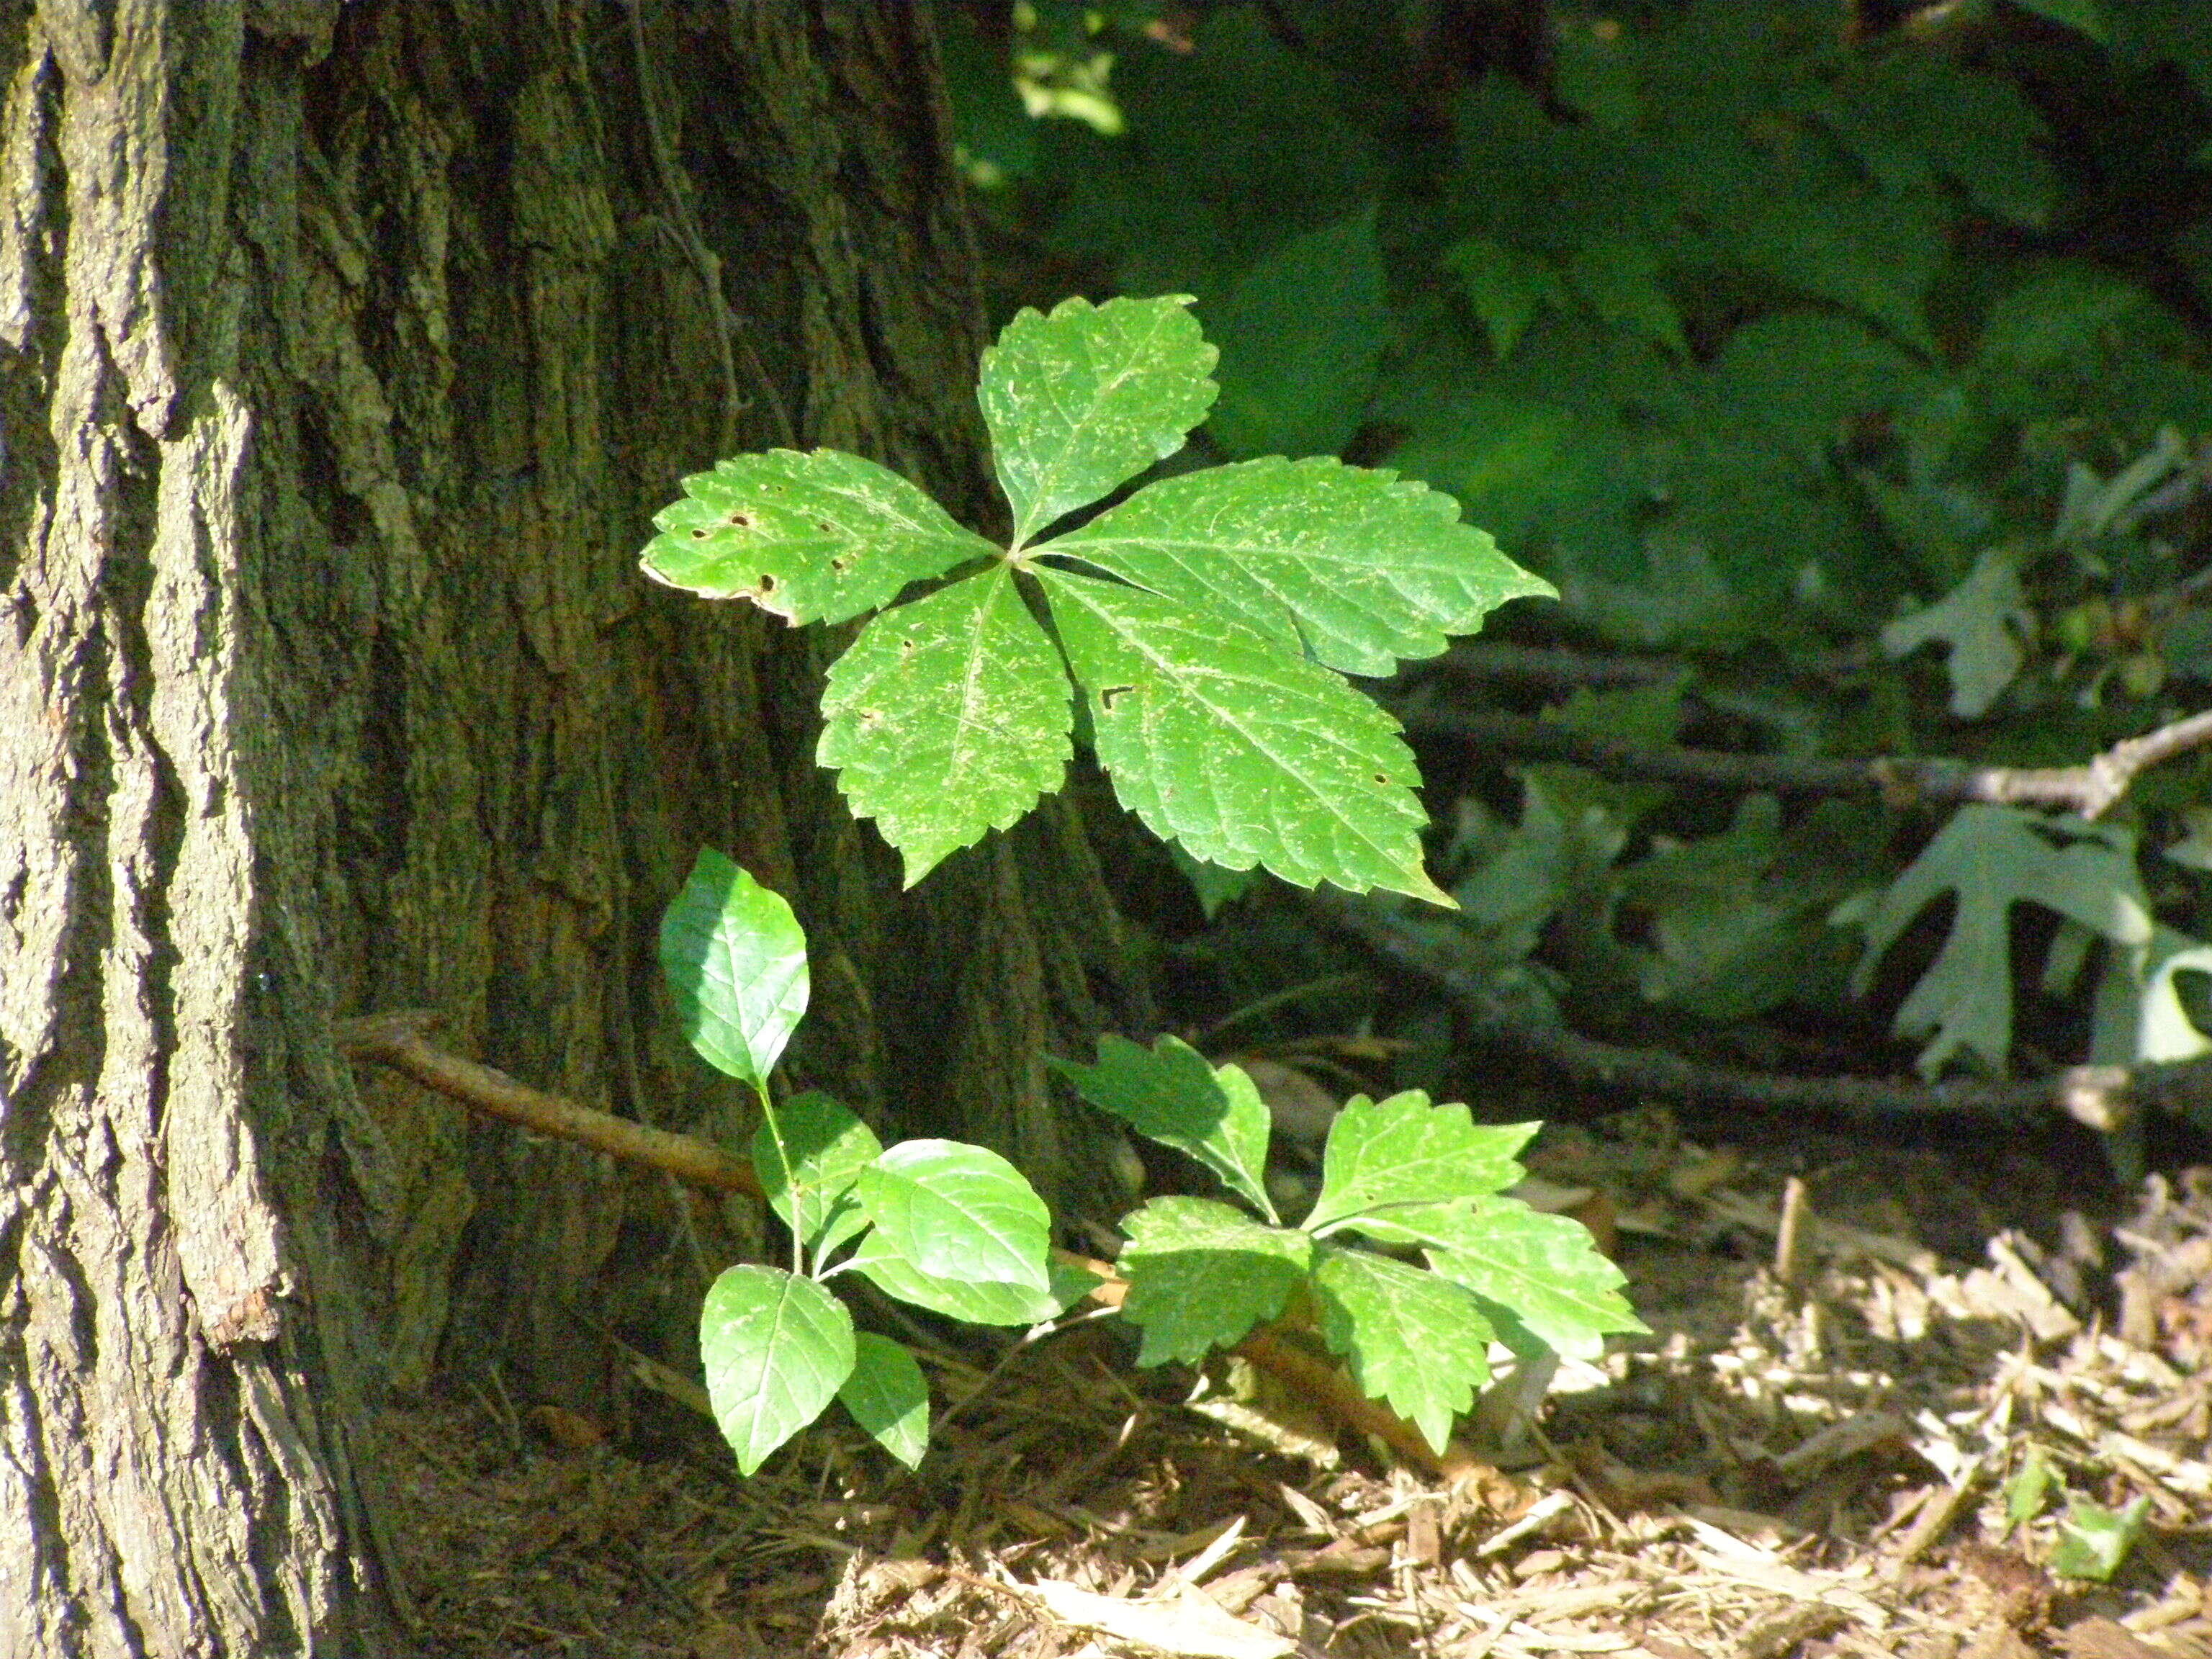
(1537, 1276)
(1088, 397)
(984, 1302)
(1407, 1337)
(808, 1158)
(1168, 1093)
(1201, 1274)
(958, 1212)
(820, 536)
(776, 1349)
(736, 962)
(1390, 1153)
(1348, 563)
(948, 717)
(888, 1396)
(1247, 754)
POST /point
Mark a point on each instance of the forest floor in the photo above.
(1831, 1453)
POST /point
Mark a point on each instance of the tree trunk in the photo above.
(344, 354)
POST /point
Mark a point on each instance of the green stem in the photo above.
(783, 1156)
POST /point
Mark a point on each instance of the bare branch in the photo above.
(2104, 1097)
(2090, 789)
(396, 1040)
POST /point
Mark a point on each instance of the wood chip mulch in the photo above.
(1820, 1452)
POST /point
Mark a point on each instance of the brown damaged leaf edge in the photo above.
(398, 1040)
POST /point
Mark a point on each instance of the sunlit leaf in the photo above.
(1352, 565)
(947, 718)
(1217, 738)
(812, 538)
(888, 1396)
(958, 1212)
(1202, 1274)
(736, 962)
(1169, 1093)
(776, 1349)
(1085, 398)
(1411, 1338)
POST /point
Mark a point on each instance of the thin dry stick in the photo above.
(2105, 1097)
(396, 1040)
(2090, 789)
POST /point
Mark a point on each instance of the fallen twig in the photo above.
(2089, 789)
(2104, 1097)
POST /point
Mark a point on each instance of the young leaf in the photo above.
(958, 1212)
(1407, 1337)
(810, 1157)
(982, 1302)
(1088, 397)
(1217, 738)
(1350, 564)
(736, 962)
(2024, 1494)
(1170, 1094)
(823, 536)
(1201, 1274)
(776, 1349)
(888, 1396)
(1403, 1150)
(1537, 1276)
(2092, 1541)
(948, 717)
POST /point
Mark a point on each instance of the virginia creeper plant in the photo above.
(1206, 619)
(956, 1229)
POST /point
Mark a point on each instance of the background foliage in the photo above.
(1845, 373)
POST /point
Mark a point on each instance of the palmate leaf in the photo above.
(776, 1348)
(818, 537)
(1403, 1150)
(1169, 1093)
(1201, 1274)
(1217, 738)
(948, 717)
(1086, 398)
(1407, 1337)
(1350, 564)
(736, 961)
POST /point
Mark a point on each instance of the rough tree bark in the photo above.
(343, 355)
